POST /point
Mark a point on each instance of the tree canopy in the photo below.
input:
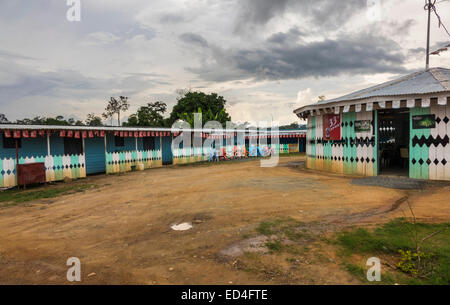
(116, 106)
(93, 120)
(150, 115)
(3, 119)
(212, 107)
(58, 120)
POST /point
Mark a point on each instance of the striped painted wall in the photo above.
(354, 153)
(122, 161)
(189, 155)
(57, 167)
(430, 148)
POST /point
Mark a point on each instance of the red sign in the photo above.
(331, 127)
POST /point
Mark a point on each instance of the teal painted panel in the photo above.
(167, 156)
(346, 136)
(31, 147)
(313, 145)
(354, 149)
(417, 153)
(95, 155)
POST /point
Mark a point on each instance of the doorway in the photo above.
(167, 156)
(393, 141)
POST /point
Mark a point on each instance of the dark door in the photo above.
(167, 156)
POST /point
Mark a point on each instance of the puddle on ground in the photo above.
(181, 226)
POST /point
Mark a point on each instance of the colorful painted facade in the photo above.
(74, 152)
(401, 127)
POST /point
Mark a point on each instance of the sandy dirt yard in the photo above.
(121, 229)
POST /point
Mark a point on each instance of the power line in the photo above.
(431, 6)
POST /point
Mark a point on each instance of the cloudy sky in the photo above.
(265, 57)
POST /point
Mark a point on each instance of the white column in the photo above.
(82, 142)
(48, 144)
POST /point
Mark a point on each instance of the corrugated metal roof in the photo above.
(433, 80)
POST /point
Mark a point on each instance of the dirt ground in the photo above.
(121, 230)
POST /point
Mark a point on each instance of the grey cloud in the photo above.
(172, 18)
(321, 13)
(28, 83)
(361, 53)
(401, 28)
(15, 56)
(282, 38)
(421, 51)
(194, 39)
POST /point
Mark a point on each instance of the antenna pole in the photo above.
(428, 36)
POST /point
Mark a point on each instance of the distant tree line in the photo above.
(211, 106)
(91, 120)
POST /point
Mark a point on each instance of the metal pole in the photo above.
(428, 36)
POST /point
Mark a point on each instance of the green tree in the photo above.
(294, 125)
(150, 115)
(3, 119)
(58, 120)
(93, 120)
(212, 107)
(116, 106)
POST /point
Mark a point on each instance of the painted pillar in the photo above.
(106, 154)
(418, 150)
(48, 144)
(375, 147)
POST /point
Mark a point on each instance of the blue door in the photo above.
(94, 149)
(167, 157)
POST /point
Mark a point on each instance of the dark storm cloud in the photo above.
(320, 13)
(357, 54)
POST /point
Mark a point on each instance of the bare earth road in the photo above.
(121, 232)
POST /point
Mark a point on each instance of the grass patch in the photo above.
(16, 196)
(388, 242)
(283, 227)
(285, 235)
(274, 246)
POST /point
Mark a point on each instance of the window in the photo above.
(149, 143)
(73, 146)
(11, 143)
(119, 141)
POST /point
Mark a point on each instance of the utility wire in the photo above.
(429, 5)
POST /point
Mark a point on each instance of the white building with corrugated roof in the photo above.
(400, 127)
